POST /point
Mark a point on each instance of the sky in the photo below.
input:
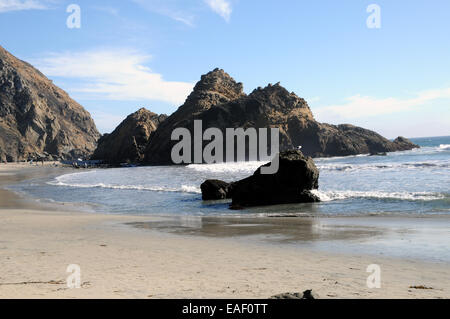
(384, 67)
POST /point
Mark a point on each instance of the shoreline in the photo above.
(121, 259)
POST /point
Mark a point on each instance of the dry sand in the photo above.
(119, 261)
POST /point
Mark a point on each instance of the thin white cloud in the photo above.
(113, 75)
(365, 106)
(184, 11)
(168, 8)
(19, 5)
(221, 7)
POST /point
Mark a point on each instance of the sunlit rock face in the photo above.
(38, 119)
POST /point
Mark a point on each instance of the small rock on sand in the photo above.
(307, 294)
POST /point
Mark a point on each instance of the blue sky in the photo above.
(133, 53)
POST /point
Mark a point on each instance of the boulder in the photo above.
(296, 177)
(403, 144)
(214, 189)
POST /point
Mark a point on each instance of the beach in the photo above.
(219, 149)
(131, 256)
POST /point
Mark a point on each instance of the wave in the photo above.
(327, 196)
(332, 158)
(377, 166)
(182, 188)
(428, 150)
(233, 167)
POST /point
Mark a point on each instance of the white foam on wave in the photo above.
(234, 167)
(183, 188)
(327, 196)
(332, 158)
(378, 166)
(444, 146)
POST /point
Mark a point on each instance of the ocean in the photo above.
(415, 182)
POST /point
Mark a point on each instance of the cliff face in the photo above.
(219, 102)
(38, 119)
(128, 141)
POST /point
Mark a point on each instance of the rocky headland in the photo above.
(219, 101)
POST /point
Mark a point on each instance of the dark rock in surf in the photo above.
(307, 196)
(214, 189)
(403, 144)
(296, 177)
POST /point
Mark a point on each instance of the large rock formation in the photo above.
(296, 177)
(214, 88)
(219, 102)
(129, 140)
(38, 119)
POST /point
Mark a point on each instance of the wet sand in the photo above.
(420, 238)
(152, 257)
(12, 173)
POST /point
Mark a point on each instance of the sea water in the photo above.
(415, 182)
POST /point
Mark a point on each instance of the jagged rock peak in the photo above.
(221, 82)
(214, 88)
(143, 115)
(143, 110)
(280, 98)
